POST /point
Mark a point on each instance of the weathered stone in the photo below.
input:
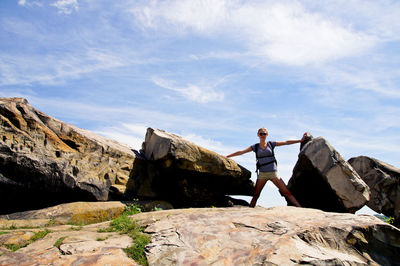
(220, 236)
(16, 238)
(384, 182)
(85, 246)
(188, 175)
(44, 161)
(75, 212)
(322, 179)
(5, 223)
(274, 236)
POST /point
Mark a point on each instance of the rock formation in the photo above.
(188, 175)
(384, 182)
(322, 179)
(44, 161)
(216, 236)
(274, 236)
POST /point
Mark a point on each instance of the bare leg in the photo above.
(260, 183)
(285, 191)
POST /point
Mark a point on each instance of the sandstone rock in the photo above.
(44, 161)
(83, 247)
(384, 182)
(16, 238)
(274, 236)
(322, 179)
(5, 223)
(188, 175)
(221, 236)
(75, 212)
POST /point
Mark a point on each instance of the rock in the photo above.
(7, 224)
(384, 182)
(322, 179)
(188, 175)
(218, 236)
(63, 246)
(16, 238)
(274, 236)
(44, 161)
(75, 212)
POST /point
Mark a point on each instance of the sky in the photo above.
(213, 71)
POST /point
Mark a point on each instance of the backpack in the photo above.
(258, 164)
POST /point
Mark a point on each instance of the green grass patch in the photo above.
(2, 233)
(75, 228)
(102, 238)
(53, 222)
(125, 225)
(11, 227)
(14, 247)
(389, 220)
(57, 244)
(132, 208)
(38, 235)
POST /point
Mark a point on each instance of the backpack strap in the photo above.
(258, 164)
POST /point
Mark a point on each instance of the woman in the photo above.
(266, 165)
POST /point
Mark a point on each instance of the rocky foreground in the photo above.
(216, 236)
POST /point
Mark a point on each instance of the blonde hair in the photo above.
(262, 129)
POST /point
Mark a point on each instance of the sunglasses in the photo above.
(263, 134)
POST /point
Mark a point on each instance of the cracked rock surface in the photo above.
(76, 245)
(274, 236)
(217, 236)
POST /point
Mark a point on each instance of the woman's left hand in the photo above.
(304, 137)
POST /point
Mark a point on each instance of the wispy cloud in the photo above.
(280, 32)
(66, 6)
(29, 3)
(53, 69)
(195, 93)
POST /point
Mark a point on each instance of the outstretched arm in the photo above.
(240, 152)
(292, 141)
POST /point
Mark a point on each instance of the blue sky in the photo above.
(212, 71)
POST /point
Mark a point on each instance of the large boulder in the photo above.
(44, 161)
(74, 212)
(274, 236)
(322, 179)
(189, 175)
(384, 182)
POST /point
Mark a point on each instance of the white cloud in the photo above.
(53, 69)
(282, 32)
(66, 6)
(131, 140)
(195, 93)
(30, 3)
